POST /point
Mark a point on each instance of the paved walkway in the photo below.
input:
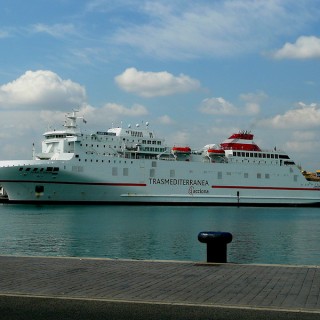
(286, 292)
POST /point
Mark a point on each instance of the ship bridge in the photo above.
(129, 132)
(60, 144)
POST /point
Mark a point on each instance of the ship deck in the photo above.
(79, 288)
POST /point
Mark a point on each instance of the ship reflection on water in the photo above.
(260, 235)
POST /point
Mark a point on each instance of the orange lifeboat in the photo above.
(181, 150)
(215, 152)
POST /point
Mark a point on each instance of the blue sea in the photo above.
(260, 235)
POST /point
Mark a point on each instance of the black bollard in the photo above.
(216, 245)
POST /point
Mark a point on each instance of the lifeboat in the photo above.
(181, 150)
(215, 153)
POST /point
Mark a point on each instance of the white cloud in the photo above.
(88, 55)
(180, 137)
(253, 101)
(217, 106)
(302, 141)
(302, 136)
(299, 146)
(18, 130)
(184, 30)
(166, 120)
(221, 106)
(52, 118)
(57, 30)
(304, 116)
(252, 108)
(153, 84)
(41, 89)
(114, 109)
(305, 47)
(110, 113)
(4, 34)
(107, 6)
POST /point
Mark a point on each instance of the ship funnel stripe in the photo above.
(239, 141)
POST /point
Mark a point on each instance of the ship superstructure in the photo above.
(133, 165)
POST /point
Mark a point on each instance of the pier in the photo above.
(80, 288)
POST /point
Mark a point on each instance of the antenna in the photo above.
(33, 151)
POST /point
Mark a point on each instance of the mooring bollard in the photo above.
(216, 245)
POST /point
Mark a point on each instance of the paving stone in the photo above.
(234, 285)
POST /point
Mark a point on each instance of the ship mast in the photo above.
(71, 121)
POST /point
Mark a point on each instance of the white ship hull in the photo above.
(129, 166)
(192, 184)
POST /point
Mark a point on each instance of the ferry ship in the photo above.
(132, 165)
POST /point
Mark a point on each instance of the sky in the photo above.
(197, 71)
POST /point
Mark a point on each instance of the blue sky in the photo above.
(197, 71)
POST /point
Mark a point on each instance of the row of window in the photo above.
(153, 149)
(54, 136)
(136, 134)
(98, 145)
(158, 142)
(143, 148)
(103, 133)
(153, 142)
(48, 169)
(127, 156)
(260, 155)
(258, 175)
(125, 171)
(104, 161)
(133, 133)
(220, 175)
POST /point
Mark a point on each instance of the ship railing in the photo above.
(274, 150)
(167, 155)
(168, 158)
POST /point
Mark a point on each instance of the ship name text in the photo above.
(179, 182)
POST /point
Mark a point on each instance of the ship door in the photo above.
(142, 171)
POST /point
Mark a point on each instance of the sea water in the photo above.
(260, 235)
